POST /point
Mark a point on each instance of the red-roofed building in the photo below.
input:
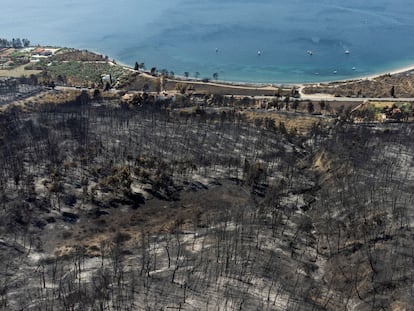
(38, 51)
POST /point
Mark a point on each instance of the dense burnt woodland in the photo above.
(116, 208)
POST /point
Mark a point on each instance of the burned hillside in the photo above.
(107, 207)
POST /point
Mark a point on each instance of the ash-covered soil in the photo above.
(110, 208)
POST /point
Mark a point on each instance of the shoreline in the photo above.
(275, 86)
(235, 83)
(397, 70)
(270, 85)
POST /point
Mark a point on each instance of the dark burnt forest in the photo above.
(109, 207)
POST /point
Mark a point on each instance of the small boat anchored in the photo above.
(259, 53)
(309, 52)
(347, 52)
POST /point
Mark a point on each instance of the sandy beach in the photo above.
(401, 70)
(261, 89)
(273, 87)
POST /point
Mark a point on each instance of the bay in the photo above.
(298, 40)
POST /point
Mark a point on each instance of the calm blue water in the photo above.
(182, 35)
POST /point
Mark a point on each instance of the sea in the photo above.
(256, 41)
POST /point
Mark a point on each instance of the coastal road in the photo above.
(328, 97)
(331, 98)
(303, 96)
(299, 87)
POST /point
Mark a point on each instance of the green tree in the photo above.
(17, 43)
(164, 72)
(196, 74)
(186, 74)
(215, 76)
(25, 42)
(136, 67)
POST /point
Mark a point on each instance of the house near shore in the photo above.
(42, 52)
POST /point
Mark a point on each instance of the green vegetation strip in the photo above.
(85, 71)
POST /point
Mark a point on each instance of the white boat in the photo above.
(347, 52)
(353, 68)
(309, 52)
(259, 53)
